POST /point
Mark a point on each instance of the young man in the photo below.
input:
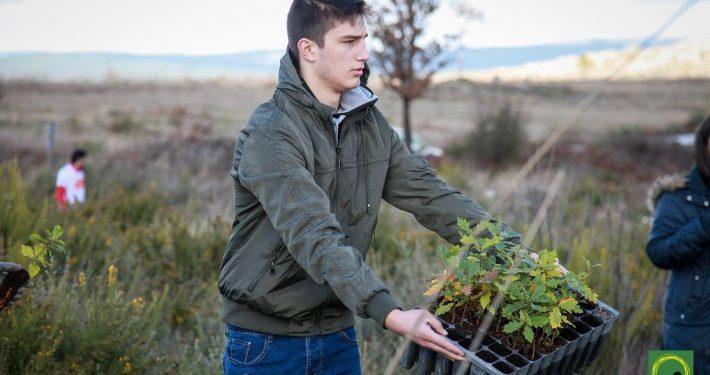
(310, 169)
(71, 188)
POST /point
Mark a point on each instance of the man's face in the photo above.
(341, 59)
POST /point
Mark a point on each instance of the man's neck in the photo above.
(320, 89)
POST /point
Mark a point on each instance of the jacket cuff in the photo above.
(380, 305)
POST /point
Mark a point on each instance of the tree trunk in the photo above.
(406, 123)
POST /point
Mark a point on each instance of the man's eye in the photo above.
(349, 41)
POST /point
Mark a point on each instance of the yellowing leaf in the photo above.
(41, 250)
(485, 299)
(435, 286)
(555, 273)
(555, 318)
(27, 252)
(33, 269)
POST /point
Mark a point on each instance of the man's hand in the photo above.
(6, 268)
(427, 333)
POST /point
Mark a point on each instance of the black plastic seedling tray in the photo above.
(582, 342)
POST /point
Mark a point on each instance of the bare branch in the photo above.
(405, 62)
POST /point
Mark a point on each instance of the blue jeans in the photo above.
(251, 352)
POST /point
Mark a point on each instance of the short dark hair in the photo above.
(77, 155)
(702, 159)
(313, 18)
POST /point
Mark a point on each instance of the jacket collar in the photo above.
(696, 183)
(291, 84)
(351, 101)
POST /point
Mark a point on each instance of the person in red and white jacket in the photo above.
(71, 186)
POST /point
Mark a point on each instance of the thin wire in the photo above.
(535, 158)
(584, 105)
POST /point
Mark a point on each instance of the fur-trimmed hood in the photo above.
(665, 184)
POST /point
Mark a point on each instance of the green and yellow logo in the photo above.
(670, 362)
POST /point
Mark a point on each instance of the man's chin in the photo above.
(351, 85)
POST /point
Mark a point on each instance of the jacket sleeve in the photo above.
(413, 186)
(273, 168)
(674, 241)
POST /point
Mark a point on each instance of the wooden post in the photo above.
(51, 130)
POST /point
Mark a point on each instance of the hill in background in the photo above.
(263, 64)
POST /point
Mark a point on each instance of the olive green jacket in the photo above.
(306, 204)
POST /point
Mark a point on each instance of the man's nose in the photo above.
(363, 54)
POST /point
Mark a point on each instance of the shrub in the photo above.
(87, 325)
(103, 308)
(122, 122)
(498, 139)
(18, 217)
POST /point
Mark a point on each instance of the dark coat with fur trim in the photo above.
(680, 243)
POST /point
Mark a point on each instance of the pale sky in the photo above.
(225, 26)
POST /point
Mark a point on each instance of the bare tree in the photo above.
(406, 64)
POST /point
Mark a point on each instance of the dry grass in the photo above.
(440, 116)
(599, 213)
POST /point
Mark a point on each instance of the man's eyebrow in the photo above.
(355, 36)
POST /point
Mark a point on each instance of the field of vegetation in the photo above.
(136, 290)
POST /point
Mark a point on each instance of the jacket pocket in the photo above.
(685, 299)
(269, 267)
(243, 279)
(296, 297)
(353, 194)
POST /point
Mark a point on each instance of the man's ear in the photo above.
(307, 49)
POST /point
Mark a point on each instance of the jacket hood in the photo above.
(664, 184)
(291, 84)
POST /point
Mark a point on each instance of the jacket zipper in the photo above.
(338, 158)
(336, 144)
(338, 163)
(271, 267)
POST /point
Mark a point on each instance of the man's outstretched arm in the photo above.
(413, 186)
